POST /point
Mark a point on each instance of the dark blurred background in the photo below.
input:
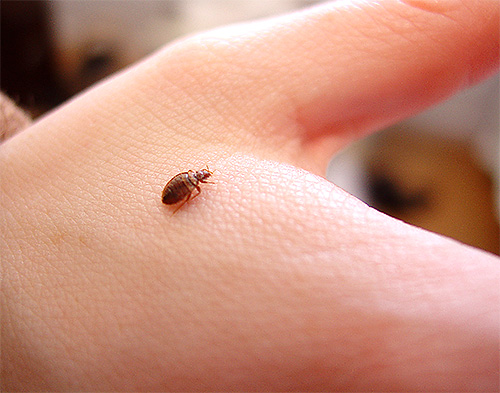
(439, 170)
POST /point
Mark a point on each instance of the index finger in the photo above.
(309, 83)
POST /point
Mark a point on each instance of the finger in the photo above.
(311, 82)
(295, 88)
(12, 118)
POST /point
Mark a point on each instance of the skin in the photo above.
(273, 278)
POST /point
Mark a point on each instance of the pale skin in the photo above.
(272, 278)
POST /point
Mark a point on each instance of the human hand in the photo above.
(273, 278)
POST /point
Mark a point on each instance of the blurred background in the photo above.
(439, 170)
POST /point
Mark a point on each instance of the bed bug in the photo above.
(181, 187)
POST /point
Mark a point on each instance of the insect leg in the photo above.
(188, 198)
(199, 192)
(182, 204)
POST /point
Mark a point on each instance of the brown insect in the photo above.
(181, 186)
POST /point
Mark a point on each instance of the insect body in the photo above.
(181, 186)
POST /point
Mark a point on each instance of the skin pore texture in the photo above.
(272, 278)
